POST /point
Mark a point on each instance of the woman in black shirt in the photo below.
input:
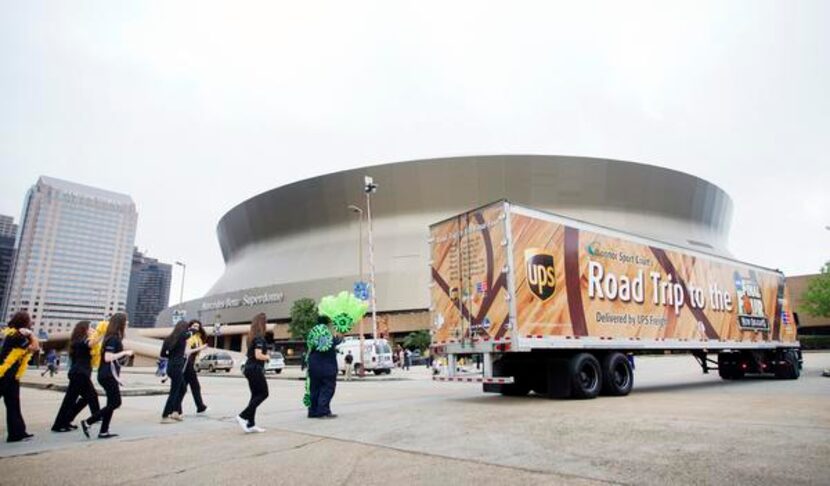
(175, 344)
(18, 345)
(195, 344)
(108, 375)
(255, 373)
(81, 392)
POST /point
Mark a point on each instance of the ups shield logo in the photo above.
(541, 275)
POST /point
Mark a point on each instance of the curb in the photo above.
(125, 392)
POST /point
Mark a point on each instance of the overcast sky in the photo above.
(192, 108)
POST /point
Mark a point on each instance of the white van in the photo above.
(376, 353)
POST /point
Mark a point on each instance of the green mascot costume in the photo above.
(341, 312)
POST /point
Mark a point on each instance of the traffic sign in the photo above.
(361, 290)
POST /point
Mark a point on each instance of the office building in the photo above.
(8, 233)
(73, 254)
(149, 291)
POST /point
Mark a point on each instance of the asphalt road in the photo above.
(678, 426)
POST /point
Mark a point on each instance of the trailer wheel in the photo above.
(787, 367)
(617, 376)
(586, 376)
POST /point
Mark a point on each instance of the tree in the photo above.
(817, 297)
(417, 340)
(303, 317)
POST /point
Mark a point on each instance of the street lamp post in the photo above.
(369, 187)
(181, 290)
(359, 211)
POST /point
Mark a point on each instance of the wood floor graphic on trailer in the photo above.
(504, 273)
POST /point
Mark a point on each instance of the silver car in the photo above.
(275, 364)
(214, 362)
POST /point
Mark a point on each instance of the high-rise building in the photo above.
(8, 232)
(73, 254)
(7, 226)
(149, 291)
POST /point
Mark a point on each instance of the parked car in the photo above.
(417, 359)
(214, 362)
(275, 364)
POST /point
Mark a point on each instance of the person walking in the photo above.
(195, 345)
(51, 367)
(109, 376)
(19, 344)
(255, 374)
(175, 345)
(348, 360)
(407, 358)
(81, 392)
(322, 368)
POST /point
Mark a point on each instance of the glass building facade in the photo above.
(8, 233)
(73, 254)
(149, 291)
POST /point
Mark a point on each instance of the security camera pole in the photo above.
(369, 187)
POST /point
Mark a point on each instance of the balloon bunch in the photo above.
(343, 310)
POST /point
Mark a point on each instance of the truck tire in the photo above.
(585, 375)
(617, 375)
(787, 367)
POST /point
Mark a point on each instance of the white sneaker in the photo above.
(244, 424)
(256, 429)
(176, 416)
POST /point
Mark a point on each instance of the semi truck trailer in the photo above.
(559, 306)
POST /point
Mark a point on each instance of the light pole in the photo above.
(369, 187)
(184, 271)
(359, 211)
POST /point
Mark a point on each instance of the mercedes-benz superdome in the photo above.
(303, 240)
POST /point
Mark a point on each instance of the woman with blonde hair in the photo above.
(255, 374)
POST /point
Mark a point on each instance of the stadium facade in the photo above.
(303, 240)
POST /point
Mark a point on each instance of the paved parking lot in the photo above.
(678, 426)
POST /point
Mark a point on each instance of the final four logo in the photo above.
(541, 274)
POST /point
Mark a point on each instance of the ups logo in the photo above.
(541, 275)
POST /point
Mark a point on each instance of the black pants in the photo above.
(259, 392)
(110, 385)
(191, 379)
(10, 389)
(322, 391)
(174, 400)
(79, 394)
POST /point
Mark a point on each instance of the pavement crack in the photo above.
(228, 460)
